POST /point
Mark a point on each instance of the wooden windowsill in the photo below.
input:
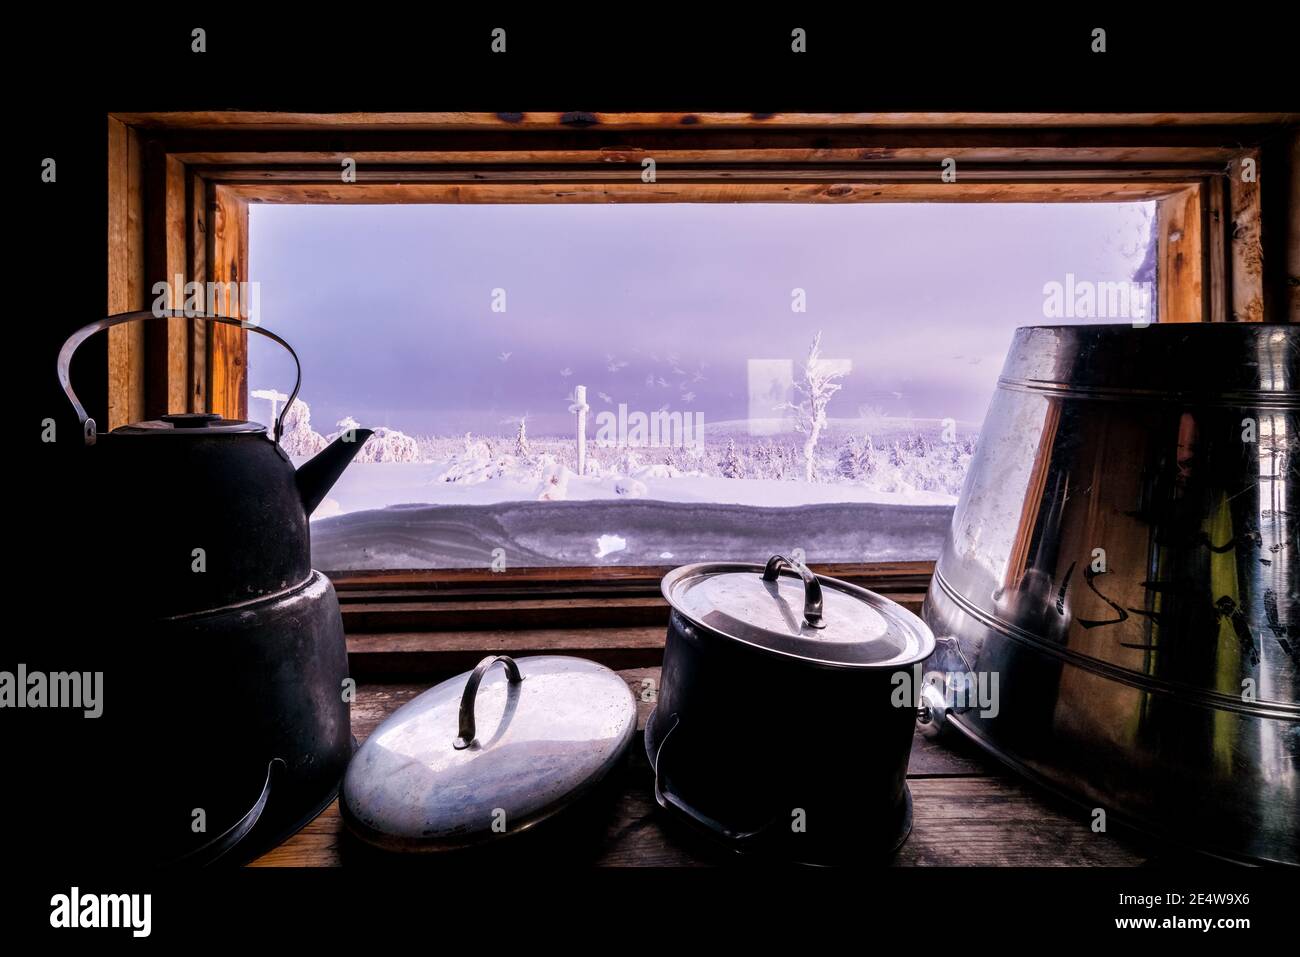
(967, 812)
(437, 624)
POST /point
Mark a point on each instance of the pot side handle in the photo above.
(812, 589)
(665, 798)
(937, 701)
(227, 841)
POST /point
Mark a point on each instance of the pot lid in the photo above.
(488, 753)
(190, 423)
(821, 620)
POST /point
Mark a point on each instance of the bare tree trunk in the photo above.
(809, 447)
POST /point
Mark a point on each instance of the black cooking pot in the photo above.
(786, 711)
(227, 663)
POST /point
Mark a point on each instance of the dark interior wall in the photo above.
(1284, 278)
(57, 242)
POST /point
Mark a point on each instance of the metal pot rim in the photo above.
(891, 610)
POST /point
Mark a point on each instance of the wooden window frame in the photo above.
(180, 186)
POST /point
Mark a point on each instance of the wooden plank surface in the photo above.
(219, 156)
(389, 616)
(1180, 266)
(166, 260)
(196, 242)
(720, 192)
(227, 361)
(405, 148)
(878, 576)
(436, 655)
(1218, 256)
(1246, 241)
(536, 613)
(426, 169)
(264, 120)
(126, 343)
(685, 144)
(967, 811)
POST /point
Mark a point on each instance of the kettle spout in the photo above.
(317, 475)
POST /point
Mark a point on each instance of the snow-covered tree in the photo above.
(300, 440)
(554, 485)
(818, 387)
(473, 464)
(867, 464)
(385, 445)
(630, 462)
(729, 464)
(849, 464)
(777, 461)
(522, 451)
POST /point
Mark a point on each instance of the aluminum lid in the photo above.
(191, 424)
(796, 613)
(488, 753)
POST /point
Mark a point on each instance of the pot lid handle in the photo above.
(812, 589)
(466, 737)
(88, 426)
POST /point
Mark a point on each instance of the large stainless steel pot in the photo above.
(1123, 559)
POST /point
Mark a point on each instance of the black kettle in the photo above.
(201, 555)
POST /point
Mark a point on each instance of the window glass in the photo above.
(662, 383)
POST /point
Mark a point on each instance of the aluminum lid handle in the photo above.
(812, 589)
(466, 737)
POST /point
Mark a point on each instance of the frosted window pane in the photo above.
(471, 337)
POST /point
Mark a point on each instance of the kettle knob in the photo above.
(191, 420)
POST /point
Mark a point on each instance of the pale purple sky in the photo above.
(390, 307)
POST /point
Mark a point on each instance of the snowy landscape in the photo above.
(674, 403)
(902, 463)
(882, 489)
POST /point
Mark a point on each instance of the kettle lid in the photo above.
(191, 424)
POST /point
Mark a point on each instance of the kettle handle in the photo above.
(88, 426)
